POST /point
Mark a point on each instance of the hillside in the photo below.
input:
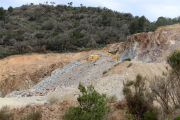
(53, 44)
(57, 75)
(61, 28)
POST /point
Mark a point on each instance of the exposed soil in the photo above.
(21, 72)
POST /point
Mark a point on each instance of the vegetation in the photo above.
(138, 102)
(35, 115)
(63, 28)
(166, 90)
(128, 59)
(6, 114)
(105, 72)
(53, 99)
(92, 105)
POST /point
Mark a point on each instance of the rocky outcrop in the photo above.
(148, 47)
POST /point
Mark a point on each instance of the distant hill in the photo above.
(44, 28)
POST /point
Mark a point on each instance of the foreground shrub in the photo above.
(35, 115)
(174, 60)
(6, 114)
(93, 106)
(137, 101)
(151, 114)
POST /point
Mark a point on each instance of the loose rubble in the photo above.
(70, 75)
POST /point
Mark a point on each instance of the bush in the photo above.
(35, 115)
(174, 60)
(177, 117)
(6, 114)
(39, 35)
(77, 34)
(151, 114)
(104, 72)
(92, 106)
(24, 7)
(167, 88)
(48, 25)
(10, 9)
(127, 59)
(2, 13)
(53, 100)
(137, 101)
(55, 33)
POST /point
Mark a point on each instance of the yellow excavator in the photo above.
(94, 57)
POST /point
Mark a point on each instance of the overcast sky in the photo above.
(151, 9)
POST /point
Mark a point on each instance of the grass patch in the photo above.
(35, 115)
(6, 114)
(53, 99)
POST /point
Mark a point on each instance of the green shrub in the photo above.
(129, 117)
(48, 25)
(129, 83)
(177, 117)
(93, 106)
(77, 34)
(39, 35)
(137, 102)
(128, 59)
(174, 60)
(55, 33)
(2, 13)
(35, 115)
(104, 72)
(24, 7)
(10, 9)
(6, 114)
(151, 114)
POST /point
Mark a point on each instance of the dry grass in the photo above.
(6, 113)
(53, 99)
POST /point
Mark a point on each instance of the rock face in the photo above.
(151, 47)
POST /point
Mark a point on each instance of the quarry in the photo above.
(28, 81)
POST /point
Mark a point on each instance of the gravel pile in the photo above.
(55, 74)
(70, 75)
(84, 73)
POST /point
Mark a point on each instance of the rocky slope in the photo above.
(148, 51)
(151, 47)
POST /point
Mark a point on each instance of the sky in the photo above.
(151, 9)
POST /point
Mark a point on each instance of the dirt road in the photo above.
(20, 102)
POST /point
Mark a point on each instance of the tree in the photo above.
(133, 27)
(141, 24)
(70, 4)
(10, 9)
(2, 13)
(93, 106)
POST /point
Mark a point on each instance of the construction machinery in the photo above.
(94, 57)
